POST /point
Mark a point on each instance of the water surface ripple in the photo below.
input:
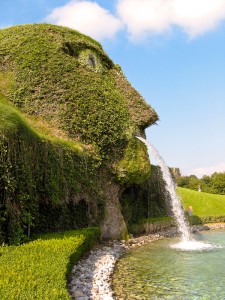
(155, 271)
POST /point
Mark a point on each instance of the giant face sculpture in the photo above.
(65, 80)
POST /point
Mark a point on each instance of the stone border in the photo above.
(215, 225)
(91, 276)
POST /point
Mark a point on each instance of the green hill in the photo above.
(203, 204)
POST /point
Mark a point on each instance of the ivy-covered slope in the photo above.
(44, 182)
(67, 122)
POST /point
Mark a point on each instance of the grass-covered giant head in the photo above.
(64, 81)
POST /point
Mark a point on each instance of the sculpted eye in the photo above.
(91, 60)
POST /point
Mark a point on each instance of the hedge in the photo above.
(39, 269)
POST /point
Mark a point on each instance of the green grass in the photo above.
(13, 120)
(203, 204)
(39, 269)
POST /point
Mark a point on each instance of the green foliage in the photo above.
(39, 269)
(151, 225)
(52, 77)
(68, 115)
(175, 173)
(195, 220)
(145, 200)
(155, 220)
(135, 163)
(203, 204)
(190, 182)
(214, 184)
(44, 183)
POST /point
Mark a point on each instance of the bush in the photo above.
(151, 225)
(196, 220)
(39, 269)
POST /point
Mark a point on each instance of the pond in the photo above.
(157, 271)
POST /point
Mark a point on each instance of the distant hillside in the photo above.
(203, 204)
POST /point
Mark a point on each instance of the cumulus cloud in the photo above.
(198, 16)
(199, 172)
(87, 17)
(194, 17)
(140, 17)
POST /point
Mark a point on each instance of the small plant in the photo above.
(39, 269)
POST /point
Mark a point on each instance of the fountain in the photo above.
(154, 271)
(187, 242)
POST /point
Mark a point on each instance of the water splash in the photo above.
(187, 243)
(170, 187)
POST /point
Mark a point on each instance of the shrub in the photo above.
(151, 225)
(39, 269)
(196, 220)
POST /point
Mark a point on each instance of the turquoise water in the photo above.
(155, 271)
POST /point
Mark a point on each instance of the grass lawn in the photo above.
(39, 269)
(203, 204)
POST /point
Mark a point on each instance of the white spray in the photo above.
(170, 187)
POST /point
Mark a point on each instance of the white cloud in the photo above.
(144, 16)
(140, 17)
(198, 16)
(87, 17)
(194, 17)
(199, 172)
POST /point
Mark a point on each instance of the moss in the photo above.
(134, 167)
(43, 182)
(53, 77)
(68, 115)
(146, 200)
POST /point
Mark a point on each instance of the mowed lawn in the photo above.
(203, 204)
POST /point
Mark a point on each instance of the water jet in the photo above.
(187, 242)
(170, 187)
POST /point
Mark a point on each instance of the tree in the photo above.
(175, 173)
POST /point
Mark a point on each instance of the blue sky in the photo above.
(173, 53)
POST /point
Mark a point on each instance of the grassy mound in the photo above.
(65, 79)
(203, 204)
(39, 269)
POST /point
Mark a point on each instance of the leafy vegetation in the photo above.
(146, 200)
(41, 181)
(39, 269)
(214, 184)
(151, 225)
(51, 76)
(68, 117)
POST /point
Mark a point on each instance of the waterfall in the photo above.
(170, 187)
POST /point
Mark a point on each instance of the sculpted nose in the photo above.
(143, 114)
